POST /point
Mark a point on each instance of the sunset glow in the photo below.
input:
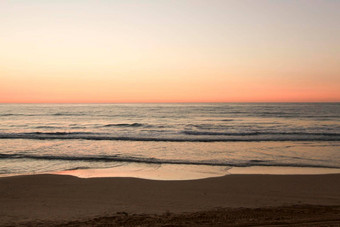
(169, 51)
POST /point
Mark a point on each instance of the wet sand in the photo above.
(246, 199)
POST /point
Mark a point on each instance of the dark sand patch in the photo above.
(301, 215)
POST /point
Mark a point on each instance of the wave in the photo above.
(259, 133)
(46, 114)
(48, 127)
(76, 168)
(124, 125)
(133, 125)
(190, 136)
(17, 114)
(54, 133)
(6, 115)
(159, 161)
(68, 114)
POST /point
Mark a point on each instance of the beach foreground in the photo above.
(58, 199)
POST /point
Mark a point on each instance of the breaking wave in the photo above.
(158, 161)
(124, 125)
(189, 136)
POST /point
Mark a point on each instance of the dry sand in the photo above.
(57, 199)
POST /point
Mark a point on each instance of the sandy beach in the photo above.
(169, 113)
(60, 199)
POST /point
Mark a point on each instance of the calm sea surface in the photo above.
(39, 138)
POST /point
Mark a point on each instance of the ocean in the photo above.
(206, 138)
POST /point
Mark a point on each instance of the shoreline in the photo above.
(61, 199)
(167, 172)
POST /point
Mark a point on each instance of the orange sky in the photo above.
(169, 51)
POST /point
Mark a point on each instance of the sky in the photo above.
(73, 51)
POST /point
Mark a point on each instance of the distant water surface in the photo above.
(38, 138)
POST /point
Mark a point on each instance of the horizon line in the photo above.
(204, 102)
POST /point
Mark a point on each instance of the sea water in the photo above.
(208, 138)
